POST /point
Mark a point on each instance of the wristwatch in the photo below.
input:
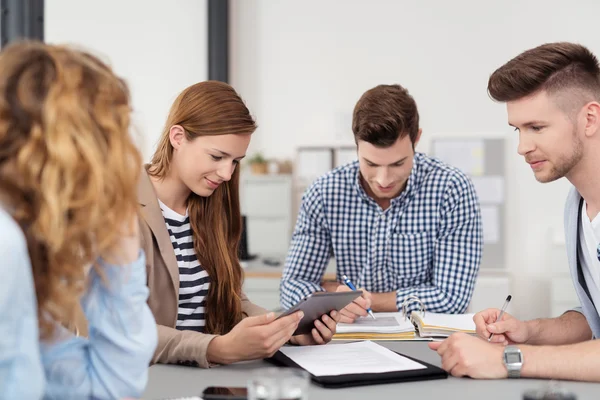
(513, 360)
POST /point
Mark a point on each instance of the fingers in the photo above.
(450, 362)
(350, 315)
(274, 340)
(326, 329)
(346, 319)
(363, 302)
(316, 336)
(367, 297)
(258, 320)
(498, 339)
(335, 316)
(502, 327)
(434, 345)
(481, 325)
(356, 308)
(450, 357)
(485, 323)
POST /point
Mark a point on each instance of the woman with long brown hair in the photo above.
(69, 236)
(190, 205)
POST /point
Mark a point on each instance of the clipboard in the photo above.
(431, 372)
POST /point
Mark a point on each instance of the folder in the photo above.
(401, 368)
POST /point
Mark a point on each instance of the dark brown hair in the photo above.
(212, 108)
(552, 67)
(68, 166)
(384, 114)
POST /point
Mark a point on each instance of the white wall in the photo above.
(302, 65)
(158, 47)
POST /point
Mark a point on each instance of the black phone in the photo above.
(224, 393)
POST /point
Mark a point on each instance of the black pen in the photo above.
(501, 313)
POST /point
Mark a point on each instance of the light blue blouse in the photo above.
(111, 363)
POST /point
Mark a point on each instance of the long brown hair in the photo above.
(212, 108)
(68, 168)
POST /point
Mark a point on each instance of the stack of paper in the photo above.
(386, 326)
(349, 358)
(442, 325)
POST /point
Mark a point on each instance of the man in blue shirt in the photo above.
(399, 223)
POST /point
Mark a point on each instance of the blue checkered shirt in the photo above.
(427, 243)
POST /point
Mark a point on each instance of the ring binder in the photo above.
(407, 301)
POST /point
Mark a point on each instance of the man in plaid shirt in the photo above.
(397, 222)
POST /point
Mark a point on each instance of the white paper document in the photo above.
(491, 224)
(384, 323)
(455, 322)
(349, 358)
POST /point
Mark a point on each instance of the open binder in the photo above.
(424, 371)
(415, 325)
(433, 325)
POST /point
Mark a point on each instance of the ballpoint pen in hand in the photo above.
(501, 313)
(351, 286)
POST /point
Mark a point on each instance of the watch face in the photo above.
(512, 358)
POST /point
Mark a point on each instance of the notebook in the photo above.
(421, 325)
(386, 326)
(355, 364)
(430, 324)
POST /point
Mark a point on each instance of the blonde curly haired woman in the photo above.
(68, 230)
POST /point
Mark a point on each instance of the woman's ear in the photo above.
(176, 136)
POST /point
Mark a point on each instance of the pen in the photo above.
(501, 313)
(351, 286)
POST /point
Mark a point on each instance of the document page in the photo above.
(349, 358)
(384, 323)
(459, 322)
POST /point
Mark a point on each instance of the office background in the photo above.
(301, 66)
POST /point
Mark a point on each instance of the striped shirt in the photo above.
(193, 279)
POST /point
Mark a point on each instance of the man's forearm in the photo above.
(383, 302)
(570, 362)
(569, 328)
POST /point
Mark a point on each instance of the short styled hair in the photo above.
(563, 68)
(384, 114)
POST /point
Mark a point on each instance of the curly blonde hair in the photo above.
(68, 166)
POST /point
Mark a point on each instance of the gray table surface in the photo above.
(168, 381)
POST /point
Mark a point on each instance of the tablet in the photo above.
(319, 303)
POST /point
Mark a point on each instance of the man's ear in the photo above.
(592, 118)
(416, 142)
(176, 136)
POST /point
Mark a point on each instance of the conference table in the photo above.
(172, 381)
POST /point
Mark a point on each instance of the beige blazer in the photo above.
(174, 346)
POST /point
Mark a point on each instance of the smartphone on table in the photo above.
(224, 393)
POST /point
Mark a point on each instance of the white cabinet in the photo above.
(266, 201)
(490, 292)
